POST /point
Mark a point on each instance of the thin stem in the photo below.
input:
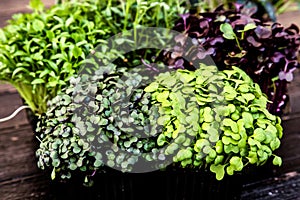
(238, 43)
(25, 93)
(126, 14)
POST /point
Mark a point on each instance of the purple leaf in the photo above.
(252, 41)
(276, 57)
(289, 76)
(281, 75)
(178, 64)
(203, 53)
(281, 34)
(181, 38)
(269, 47)
(263, 32)
(184, 17)
(203, 24)
(216, 40)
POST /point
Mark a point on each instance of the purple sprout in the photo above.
(267, 53)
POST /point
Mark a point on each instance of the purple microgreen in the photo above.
(234, 37)
(178, 64)
(276, 57)
(202, 53)
(184, 17)
(262, 32)
(252, 41)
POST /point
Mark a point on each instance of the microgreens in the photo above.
(217, 120)
(42, 50)
(203, 119)
(265, 51)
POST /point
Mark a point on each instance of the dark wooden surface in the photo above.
(21, 179)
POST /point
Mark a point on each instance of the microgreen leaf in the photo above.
(227, 31)
(277, 161)
(218, 170)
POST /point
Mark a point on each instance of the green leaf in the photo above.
(180, 139)
(244, 88)
(230, 170)
(97, 163)
(55, 162)
(259, 134)
(218, 170)
(252, 157)
(161, 97)
(76, 52)
(36, 5)
(231, 123)
(277, 161)
(163, 120)
(253, 142)
(53, 174)
(73, 166)
(152, 87)
(249, 26)
(226, 140)
(213, 137)
(2, 36)
(248, 119)
(184, 154)
(207, 149)
(227, 31)
(76, 149)
(103, 122)
(200, 144)
(219, 147)
(38, 25)
(248, 96)
(18, 70)
(237, 163)
(52, 65)
(161, 140)
(171, 149)
(208, 115)
(169, 81)
(275, 144)
(219, 159)
(37, 81)
(187, 77)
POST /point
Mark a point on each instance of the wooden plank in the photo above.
(294, 93)
(29, 187)
(17, 153)
(285, 187)
(6, 88)
(287, 18)
(289, 151)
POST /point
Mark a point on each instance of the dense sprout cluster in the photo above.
(267, 52)
(127, 117)
(196, 118)
(60, 148)
(216, 119)
(40, 51)
(117, 117)
(109, 121)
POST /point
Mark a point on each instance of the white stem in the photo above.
(13, 114)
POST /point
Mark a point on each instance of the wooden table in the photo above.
(21, 179)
